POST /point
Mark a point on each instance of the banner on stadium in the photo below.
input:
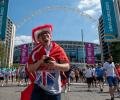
(23, 54)
(89, 53)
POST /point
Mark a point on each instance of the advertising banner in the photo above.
(23, 54)
(109, 20)
(89, 53)
(3, 17)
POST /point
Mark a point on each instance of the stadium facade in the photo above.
(74, 50)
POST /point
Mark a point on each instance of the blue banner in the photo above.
(108, 13)
(3, 18)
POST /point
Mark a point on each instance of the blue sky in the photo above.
(67, 16)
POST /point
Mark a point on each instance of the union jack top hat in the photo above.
(40, 29)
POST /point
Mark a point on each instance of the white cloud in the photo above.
(96, 41)
(22, 39)
(91, 7)
(89, 3)
(94, 27)
(90, 12)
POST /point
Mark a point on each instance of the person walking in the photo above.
(88, 76)
(76, 75)
(111, 75)
(94, 84)
(118, 70)
(47, 60)
(100, 76)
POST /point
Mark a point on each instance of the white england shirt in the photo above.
(88, 73)
(109, 68)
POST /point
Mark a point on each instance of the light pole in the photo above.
(83, 46)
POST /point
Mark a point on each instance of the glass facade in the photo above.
(3, 18)
(117, 12)
(109, 25)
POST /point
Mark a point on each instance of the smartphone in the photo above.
(47, 59)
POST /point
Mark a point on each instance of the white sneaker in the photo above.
(65, 90)
(21, 84)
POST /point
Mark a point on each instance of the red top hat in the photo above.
(40, 29)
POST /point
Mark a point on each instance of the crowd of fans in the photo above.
(13, 75)
(92, 75)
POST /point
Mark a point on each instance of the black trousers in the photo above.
(40, 94)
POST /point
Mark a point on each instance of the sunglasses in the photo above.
(44, 32)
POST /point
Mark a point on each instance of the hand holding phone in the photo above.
(47, 59)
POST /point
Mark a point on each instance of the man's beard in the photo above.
(110, 62)
(46, 41)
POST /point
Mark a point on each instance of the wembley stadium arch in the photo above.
(50, 8)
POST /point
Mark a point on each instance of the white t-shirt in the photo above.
(88, 73)
(72, 74)
(93, 72)
(109, 68)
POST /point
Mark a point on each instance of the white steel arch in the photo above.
(49, 8)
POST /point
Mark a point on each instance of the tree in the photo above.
(2, 53)
(16, 65)
(115, 51)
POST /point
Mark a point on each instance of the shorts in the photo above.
(94, 78)
(40, 94)
(1, 78)
(100, 79)
(112, 81)
(89, 80)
